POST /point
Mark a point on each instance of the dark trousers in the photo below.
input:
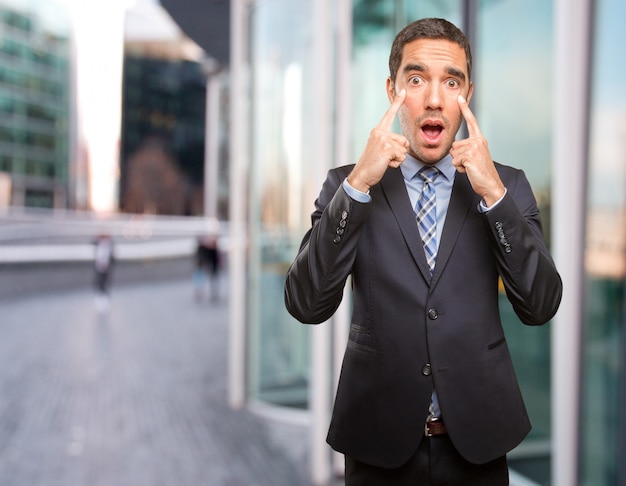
(436, 462)
(102, 281)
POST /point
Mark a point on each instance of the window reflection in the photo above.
(516, 117)
(605, 255)
(280, 200)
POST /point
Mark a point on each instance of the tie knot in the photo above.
(429, 174)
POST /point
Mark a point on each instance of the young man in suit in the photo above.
(428, 393)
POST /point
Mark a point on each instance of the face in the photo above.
(434, 73)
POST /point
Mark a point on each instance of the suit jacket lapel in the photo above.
(394, 189)
(462, 199)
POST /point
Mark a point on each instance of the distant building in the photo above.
(35, 104)
(48, 158)
(163, 128)
(165, 165)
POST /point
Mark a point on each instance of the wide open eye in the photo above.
(416, 81)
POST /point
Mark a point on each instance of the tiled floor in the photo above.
(132, 397)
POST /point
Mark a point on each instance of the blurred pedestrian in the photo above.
(207, 267)
(103, 266)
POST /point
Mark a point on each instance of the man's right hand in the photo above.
(384, 149)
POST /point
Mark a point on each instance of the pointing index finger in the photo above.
(472, 124)
(387, 120)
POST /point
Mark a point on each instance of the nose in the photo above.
(433, 98)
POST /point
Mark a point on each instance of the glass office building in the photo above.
(35, 102)
(163, 113)
(310, 87)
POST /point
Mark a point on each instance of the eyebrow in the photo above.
(452, 71)
(456, 73)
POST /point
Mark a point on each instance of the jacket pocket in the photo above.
(360, 341)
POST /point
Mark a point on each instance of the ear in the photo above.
(391, 89)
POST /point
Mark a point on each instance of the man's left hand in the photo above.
(471, 156)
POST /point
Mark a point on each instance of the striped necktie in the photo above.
(427, 215)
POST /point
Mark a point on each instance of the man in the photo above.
(428, 393)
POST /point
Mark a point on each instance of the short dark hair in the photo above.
(430, 28)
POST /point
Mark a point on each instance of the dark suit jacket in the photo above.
(410, 332)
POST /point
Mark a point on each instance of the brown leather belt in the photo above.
(433, 429)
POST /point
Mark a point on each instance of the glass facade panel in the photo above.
(34, 100)
(513, 104)
(602, 403)
(280, 48)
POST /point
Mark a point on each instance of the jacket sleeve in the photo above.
(315, 280)
(530, 278)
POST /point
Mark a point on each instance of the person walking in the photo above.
(103, 266)
(207, 267)
(426, 227)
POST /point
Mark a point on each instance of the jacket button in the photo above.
(432, 314)
(426, 370)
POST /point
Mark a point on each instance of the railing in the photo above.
(44, 235)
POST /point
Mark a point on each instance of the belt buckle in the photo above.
(429, 420)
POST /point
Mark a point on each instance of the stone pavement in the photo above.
(133, 397)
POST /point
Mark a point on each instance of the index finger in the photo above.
(387, 120)
(472, 124)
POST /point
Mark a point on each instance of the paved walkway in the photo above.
(134, 397)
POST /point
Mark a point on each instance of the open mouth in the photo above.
(432, 131)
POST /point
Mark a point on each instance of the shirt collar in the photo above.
(411, 166)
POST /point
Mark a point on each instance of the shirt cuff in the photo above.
(482, 207)
(362, 197)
